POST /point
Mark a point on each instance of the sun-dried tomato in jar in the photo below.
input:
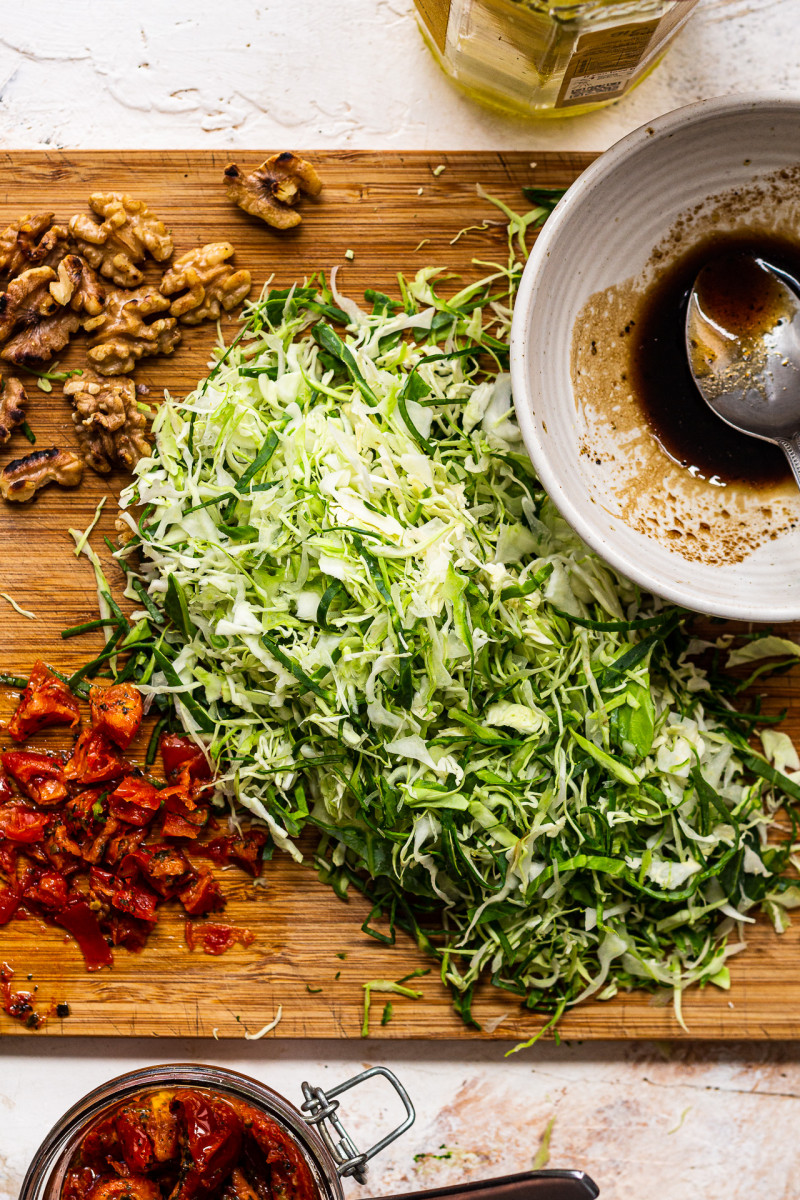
(187, 1144)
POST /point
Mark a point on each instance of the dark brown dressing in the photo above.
(741, 296)
(744, 299)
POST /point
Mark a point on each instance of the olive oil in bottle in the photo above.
(550, 57)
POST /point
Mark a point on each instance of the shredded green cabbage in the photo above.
(382, 628)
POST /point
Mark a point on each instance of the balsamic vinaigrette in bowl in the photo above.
(678, 416)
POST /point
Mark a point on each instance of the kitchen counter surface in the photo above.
(647, 1123)
(345, 73)
(644, 1121)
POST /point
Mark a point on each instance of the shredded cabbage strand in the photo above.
(381, 627)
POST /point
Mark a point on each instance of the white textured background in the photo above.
(647, 1123)
(657, 1123)
(310, 73)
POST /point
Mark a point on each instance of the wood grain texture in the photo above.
(309, 955)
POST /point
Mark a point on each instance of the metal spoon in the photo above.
(743, 343)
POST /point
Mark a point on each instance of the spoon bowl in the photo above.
(743, 345)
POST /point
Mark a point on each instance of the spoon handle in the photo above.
(529, 1185)
(791, 448)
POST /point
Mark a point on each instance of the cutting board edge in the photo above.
(508, 170)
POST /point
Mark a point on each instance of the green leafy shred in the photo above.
(542, 1156)
(396, 987)
(382, 628)
(19, 682)
(44, 378)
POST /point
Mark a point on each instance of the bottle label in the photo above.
(606, 62)
(435, 14)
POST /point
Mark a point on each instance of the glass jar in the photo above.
(550, 57)
(316, 1130)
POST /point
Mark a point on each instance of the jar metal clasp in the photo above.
(320, 1109)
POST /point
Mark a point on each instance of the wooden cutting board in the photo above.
(309, 956)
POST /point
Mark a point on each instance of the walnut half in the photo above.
(128, 231)
(208, 283)
(12, 406)
(30, 242)
(22, 478)
(110, 428)
(273, 189)
(77, 285)
(26, 299)
(39, 325)
(123, 333)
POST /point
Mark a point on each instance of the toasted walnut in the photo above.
(22, 478)
(34, 347)
(26, 300)
(31, 242)
(40, 326)
(121, 335)
(128, 231)
(273, 188)
(208, 283)
(110, 428)
(77, 285)
(12, 406)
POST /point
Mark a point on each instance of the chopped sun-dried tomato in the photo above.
(179, 753)
(45, 701)
(90, 865)
(79, 920)
(101, 883)
(137, 901)
(34, 852)
(9, 853)
(190, 826)
(40, 776)
(183, 817)
(134, 801)
(81, 810)
(46, 791)
(94, 850)
(49, 890)
(165, 867)
(128, 931)
(61, 850)
(178, 795)
(245, 849)
(17, 1004)
(9, 903)
(134, 863)
(124, 843)
(216, 939)
(20, 823)
(94, 760)
(117, 712)
(203, 895)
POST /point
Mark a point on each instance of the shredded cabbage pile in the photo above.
(382, 629)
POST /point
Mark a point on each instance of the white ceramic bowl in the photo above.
(602, 233)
